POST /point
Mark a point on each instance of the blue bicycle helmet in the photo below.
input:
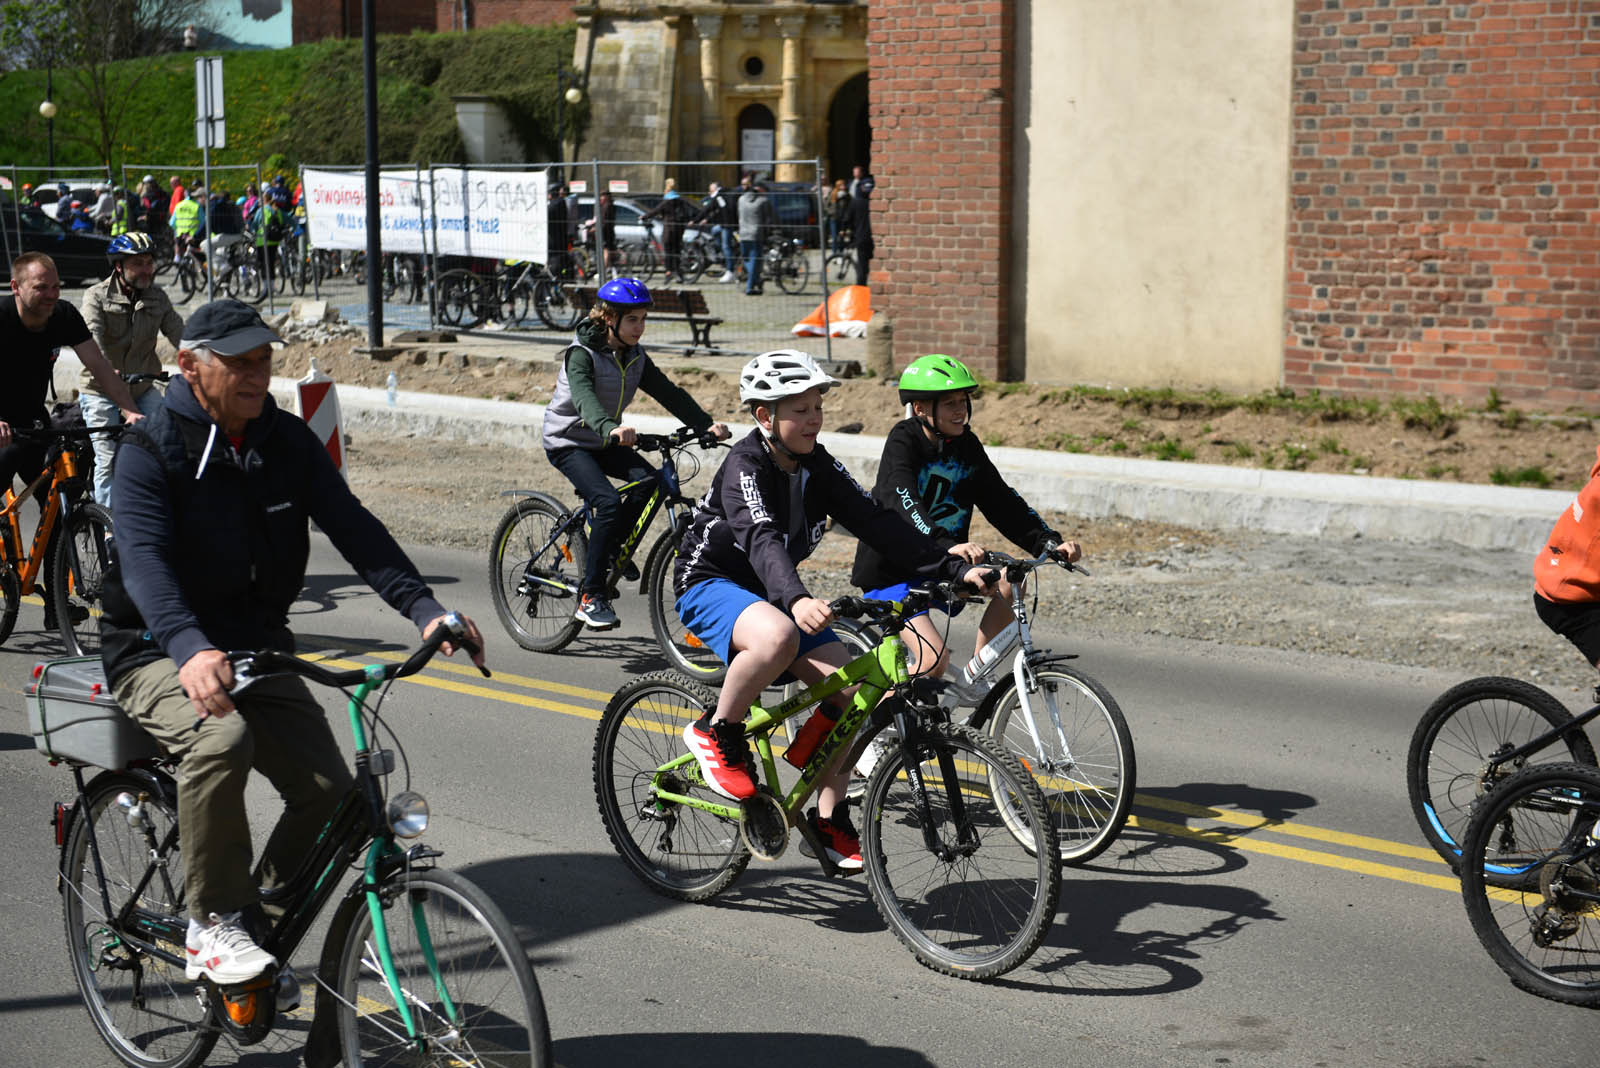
(625, 293)
(132, 243)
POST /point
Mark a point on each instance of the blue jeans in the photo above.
(587, 471)
(100, 410)
(752, 265)
(724, 236)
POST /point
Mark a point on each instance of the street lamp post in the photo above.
(567, 92)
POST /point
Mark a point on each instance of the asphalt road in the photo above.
(1271, 903)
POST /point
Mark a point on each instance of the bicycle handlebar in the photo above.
(854, 607)
(682, 436)
(1016, 567)
(251, 666)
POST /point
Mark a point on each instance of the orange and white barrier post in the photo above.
(319, 407)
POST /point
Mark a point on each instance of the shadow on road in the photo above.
(770, 1049)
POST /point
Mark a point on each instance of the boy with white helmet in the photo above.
(737, 588)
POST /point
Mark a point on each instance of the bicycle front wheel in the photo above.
(463, 977)
(962, 892)
(456, 295)
(841, 268)
(536, 562)
(793, 271)
(141, 1003)
(10, 599)
(1447, 766)
(1082, 759)
(684, 652)
(676, 850)
(77, 577)
(1540, 825)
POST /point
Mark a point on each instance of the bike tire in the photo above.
(477, 1003)
(638, 260)
(1546, 937)
(941, 907)
(1086, 772)
(692, 263)
(518, 303)
(684, 652)
(77, 577)
(841, 268)
(678, 851)
(554, 308)
(405, 280)
(456, 301)
(143, 1007)
(794, 271)
(1456, 736)
(537, 614)
(10, 600)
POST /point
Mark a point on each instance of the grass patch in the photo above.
(1241, 450)
(1168, 449)
(1520, 476)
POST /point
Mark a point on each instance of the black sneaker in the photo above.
(630, 572)
(596, 613)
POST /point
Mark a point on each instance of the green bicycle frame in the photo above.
(877, 671)
(383, 846)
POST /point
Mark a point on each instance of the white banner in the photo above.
(494, 214)
(336, 210)
(499, 214)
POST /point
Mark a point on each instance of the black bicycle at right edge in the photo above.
(536, 559)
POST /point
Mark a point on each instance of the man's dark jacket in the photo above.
(211, 543)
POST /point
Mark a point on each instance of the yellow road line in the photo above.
(1247, 839)
(1320, 834)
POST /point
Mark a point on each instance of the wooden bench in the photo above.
(672, 305)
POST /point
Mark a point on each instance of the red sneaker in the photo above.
(838, 836)
(724, 758)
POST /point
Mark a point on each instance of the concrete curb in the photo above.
(1199, 495)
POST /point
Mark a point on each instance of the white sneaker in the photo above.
(222, 951)
(728, 276)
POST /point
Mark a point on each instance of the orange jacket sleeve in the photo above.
(1568, 567)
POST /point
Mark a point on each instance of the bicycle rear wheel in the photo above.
(793, 271)
(77, 577)
(1542, 824)
(977, 903)
(841, 268)
(141, 1004)
(683, 651)
(464, 978)
(535, 565)
(676, 850)
(554, 308)
(457, 289)
(1083, 761)
(1447, 765)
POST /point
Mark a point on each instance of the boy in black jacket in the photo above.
(933, 473)
(736, 583)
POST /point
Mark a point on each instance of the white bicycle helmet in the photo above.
(781, 373)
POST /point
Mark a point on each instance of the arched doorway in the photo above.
(758, 131)
(849, 132)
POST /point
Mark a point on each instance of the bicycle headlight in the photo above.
(408, 814)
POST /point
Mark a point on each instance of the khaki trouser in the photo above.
(281, 731)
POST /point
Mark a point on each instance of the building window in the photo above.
(753, 66)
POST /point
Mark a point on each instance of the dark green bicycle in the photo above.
(958, 848)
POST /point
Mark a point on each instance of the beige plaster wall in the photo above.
(1152, 171)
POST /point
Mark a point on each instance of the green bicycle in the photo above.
(958, 848)
(419, 966)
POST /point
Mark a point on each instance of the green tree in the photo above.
(88, 41)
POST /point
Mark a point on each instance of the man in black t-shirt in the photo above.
(34, 322)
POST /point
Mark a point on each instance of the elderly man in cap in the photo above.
(214, 493)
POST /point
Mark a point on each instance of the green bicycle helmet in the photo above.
(927, 377)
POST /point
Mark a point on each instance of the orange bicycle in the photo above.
(79, 555)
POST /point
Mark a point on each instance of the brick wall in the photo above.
(483, 13)
(342, 18)
(940, 86)
(1444, 225)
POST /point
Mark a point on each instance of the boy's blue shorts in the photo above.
(898, 592)
(710, 609)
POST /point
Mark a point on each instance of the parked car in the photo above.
(80, 256)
